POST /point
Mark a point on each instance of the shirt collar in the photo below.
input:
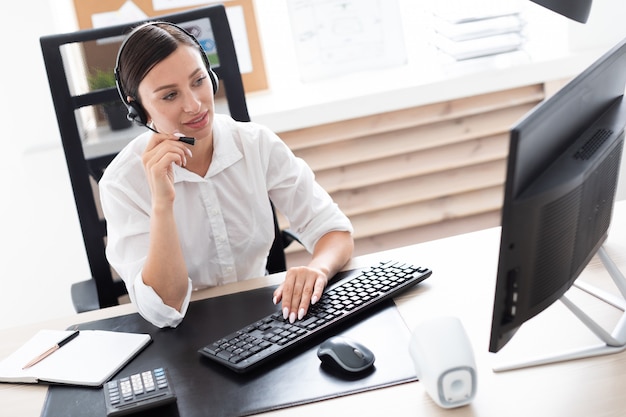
(225, 152)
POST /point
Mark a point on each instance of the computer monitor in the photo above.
(561, 180)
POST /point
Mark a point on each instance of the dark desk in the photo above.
(462, 284)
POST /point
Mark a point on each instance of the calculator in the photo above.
(138, 392)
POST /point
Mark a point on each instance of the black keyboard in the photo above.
(272, 335)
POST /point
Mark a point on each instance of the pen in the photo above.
(51, 350)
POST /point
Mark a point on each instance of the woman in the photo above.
(183, 217)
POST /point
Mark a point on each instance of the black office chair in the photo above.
(104, 288)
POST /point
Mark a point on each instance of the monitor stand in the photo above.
(613, 342)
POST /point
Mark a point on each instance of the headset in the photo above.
(136, 112)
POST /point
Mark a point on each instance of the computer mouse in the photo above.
(345, 354)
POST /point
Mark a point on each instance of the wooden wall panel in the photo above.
(415, 116)
(416, 174)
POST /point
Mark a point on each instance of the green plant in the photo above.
(100, 79)
(115, 111)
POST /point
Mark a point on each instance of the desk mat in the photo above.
(205, 388)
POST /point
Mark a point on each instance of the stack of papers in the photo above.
(462, 11)
(463, 36)
(478, 28)
(479, 47)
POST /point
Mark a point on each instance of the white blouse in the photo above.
(225, 221)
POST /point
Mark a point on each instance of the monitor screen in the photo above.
(561, 180)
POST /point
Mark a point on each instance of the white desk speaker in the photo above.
(444, 361)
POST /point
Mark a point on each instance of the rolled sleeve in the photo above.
(330, 219)
(152, 308)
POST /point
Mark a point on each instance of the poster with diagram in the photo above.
(338, 37)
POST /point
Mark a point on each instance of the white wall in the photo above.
(23, 72)
(41, 250)
(604, 26)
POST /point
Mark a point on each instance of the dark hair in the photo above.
(143, 48)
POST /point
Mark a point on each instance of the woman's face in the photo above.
(177, 94)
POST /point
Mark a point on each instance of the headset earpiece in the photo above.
(136, 113)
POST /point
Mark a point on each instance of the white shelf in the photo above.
(104, 141)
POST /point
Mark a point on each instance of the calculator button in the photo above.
(161, 380)
(137, 384)
(126, 388)
(148, 381)
(114, 393)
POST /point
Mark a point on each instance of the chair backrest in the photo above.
(85, 171)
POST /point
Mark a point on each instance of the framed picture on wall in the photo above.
(241, 17)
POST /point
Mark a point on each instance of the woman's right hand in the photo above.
(163, 150)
